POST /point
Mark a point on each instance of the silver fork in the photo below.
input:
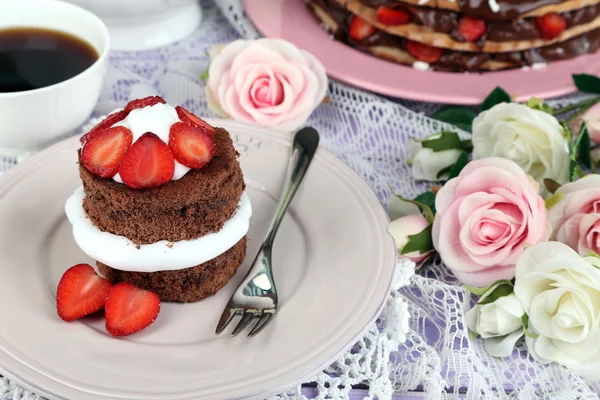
(256, 297)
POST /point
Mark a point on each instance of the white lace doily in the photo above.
(431, 351)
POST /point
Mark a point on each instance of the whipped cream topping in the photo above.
(121, 253)
(157, 119)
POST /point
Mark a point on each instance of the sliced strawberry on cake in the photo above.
(103, 152)
(190, 145)
(145, 102)
(148, 163)
(193, 120)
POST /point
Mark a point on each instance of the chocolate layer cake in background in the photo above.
(464, 35)
(163, 205)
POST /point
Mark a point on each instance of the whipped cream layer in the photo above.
(121, 253)
(157, 119)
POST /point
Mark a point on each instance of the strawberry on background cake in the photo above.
(163, 204)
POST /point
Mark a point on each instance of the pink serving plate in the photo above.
(291, 20)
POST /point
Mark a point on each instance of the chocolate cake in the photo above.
(149, 197)
(464, 35)
(197, 204)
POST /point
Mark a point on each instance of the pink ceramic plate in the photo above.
(342, 62)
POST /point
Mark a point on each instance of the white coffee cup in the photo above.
(35, 118)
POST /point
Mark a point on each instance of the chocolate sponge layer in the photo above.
(193, 206)
(185, 285)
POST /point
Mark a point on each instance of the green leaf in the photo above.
(525, 322)
(473, 335)
(458, 166)
(400, 208)
(592, 253)
(574, 171)
(426, 202)
(427, 198)
(551, 185)
(477, 291)
(497, 96)
(444, 172)
(584, 147)
(553, 200)
(502, 289)
(204, 75)
(587, 83)
(461, 117)
(538, 104)
(448, 140)
(421, 242)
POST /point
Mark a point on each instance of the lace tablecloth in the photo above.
(430, 352)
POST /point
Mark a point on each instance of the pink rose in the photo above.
(485, 218)
(575, 218)
(269, 82)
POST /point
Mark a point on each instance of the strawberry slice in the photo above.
(360, 29)
(551, 25)
(471, 29)
(145, 102)
(130, 309)
(190, 145)
(193, 120)
(423, 52)
(148, 163)
(390, 16)
(105, 123)
(103, 152)
(80, 292)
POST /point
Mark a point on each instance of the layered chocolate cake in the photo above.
(465, 35)
(162, 204)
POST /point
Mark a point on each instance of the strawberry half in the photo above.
(104, 124)
(80, 292)
(390, 16)
(130, 309)
(423, 52)
(190, 145)
(191, 119)
(360, 29)
(551, 25)
(103, 152)
(145, 102)
(471, 29)
(148, 163)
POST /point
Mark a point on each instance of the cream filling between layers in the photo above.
(121, 253)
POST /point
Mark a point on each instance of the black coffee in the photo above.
(33, 58)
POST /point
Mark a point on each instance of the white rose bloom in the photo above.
(533, 139)
(560, 292)
(499, 323)
(426, 163)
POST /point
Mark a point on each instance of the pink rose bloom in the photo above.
(269, 82)
(575, 218)
(485, 218)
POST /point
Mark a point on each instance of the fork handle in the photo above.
(304, 147)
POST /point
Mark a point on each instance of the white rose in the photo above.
(401, 228)
(426, 163)
(560, 292)
(499, 323)
(533, 139)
